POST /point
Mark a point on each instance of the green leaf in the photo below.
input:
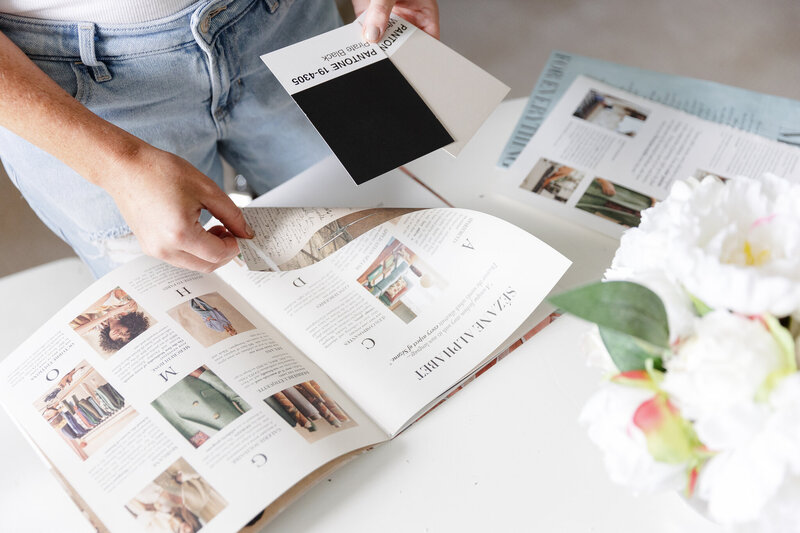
(699, 305)
(788, 364)
(621, 306)
(630, 353)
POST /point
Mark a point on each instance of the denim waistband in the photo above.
(87, 42)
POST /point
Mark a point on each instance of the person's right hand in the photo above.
(160, 195)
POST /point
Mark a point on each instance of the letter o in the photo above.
(52, 375)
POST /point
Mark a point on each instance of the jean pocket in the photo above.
(67, 74)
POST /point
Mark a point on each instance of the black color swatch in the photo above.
(373, 120)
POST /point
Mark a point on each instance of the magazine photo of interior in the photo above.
(310, 410)
(210, 318)
(400, 280)
(611, 113)
(179, 500)
(552, 180)
(614, 202)
(111, 322)
(200, 405)
(85, 410)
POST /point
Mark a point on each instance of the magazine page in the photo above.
(763, 114)
(169, 404)
(399, 315)
(603, 155)
(291, 238)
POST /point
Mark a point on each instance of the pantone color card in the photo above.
(460, 94)
(370, 116)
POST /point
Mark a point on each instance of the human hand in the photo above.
(160, 195)
(129, 307)
(423, 14)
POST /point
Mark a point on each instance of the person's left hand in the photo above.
(424, 14)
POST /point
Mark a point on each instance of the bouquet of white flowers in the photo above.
(698, 323)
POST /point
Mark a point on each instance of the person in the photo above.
(552, 175)
(113, 128)
(198, 496)
(212, 317)
(156, 509)
(116, 319)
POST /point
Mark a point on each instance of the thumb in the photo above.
(223, 208)
(376, 19)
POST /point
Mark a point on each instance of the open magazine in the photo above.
(766, 115)
(170, 400)
(603, 155)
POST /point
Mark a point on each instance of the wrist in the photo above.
(116, 158)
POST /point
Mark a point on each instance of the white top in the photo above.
(99, 11)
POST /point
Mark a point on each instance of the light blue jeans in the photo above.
(191, 84)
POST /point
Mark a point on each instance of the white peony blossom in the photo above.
(609, 419)
(781, 514)
(738, 483)
(756, 453)
(721, 367)
(734, 245)
(647, 247)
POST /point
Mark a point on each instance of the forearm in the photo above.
(34, 107)
(89, 326)
(159, 194)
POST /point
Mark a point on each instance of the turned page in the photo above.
(398, 313)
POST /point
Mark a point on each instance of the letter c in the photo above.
(368, 343)
(259, 460)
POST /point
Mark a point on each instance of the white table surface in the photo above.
(505, 454)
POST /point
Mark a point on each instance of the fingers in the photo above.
(188, 261)
(221, 232)
(376, 19)
(161, 196)
(209, 247)
(221, 206)
(424, 14)
(195, 248)
(359, 6)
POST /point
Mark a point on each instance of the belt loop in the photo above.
(272, 5)
(86, 33)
